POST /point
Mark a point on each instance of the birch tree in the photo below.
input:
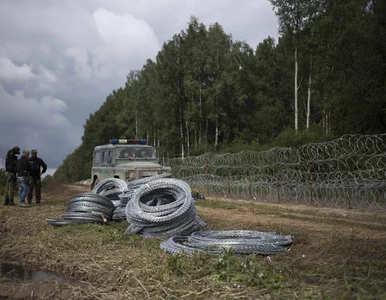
(293, 17)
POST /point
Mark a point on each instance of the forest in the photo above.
(204, 91)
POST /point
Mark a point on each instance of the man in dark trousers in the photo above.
(10, 171)
(23, 169)
(35, 164)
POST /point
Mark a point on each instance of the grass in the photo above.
(320, 264)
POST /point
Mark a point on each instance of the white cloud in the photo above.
(12, 72)
(41, 113)
(25, 74)
(124, 37)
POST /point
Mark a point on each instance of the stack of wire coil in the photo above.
(85, 208)
(162, 208)
(240, 241)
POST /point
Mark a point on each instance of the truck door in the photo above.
(108, 167)
(96, 169)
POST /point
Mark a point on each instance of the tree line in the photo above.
(205, 91)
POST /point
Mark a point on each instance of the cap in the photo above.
(33, 151)
(16, 150)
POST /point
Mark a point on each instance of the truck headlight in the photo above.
(132, 175)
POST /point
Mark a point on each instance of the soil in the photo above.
(324, 238)
(243, 218)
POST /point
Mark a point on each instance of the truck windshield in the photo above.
(135, 153)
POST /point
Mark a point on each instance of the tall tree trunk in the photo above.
(195, 137)
(199, 130)
(329, 123)
(206, 130)
(326, 117)
(182, 138)
(216, 135)
(309, 97)
(187, 139)
(296, 92)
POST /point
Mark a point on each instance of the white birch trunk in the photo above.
(195, 137)
(309, 101)
(199, 130)
(329, 123)
(182, 140)
(206, 130)
(187, 139)
(296, 92)
(216, 135)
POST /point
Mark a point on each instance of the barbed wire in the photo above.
(346, 172)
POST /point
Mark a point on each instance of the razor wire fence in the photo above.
(345, 172)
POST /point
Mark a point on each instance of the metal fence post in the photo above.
(277, 177)
(206, 173)
(309, 175)
(250, 186)
(229, 181)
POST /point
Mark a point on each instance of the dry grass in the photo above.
(344, 262)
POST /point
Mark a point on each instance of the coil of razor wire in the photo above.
(109, 184)
(162, 208)
(126, 194)
(134, 184)
(345, 172)
(240, 241)
(85, 208)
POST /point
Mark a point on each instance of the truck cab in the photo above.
(126, 159)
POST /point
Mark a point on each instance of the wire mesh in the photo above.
(345, 172)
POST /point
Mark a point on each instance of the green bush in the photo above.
(288, 138)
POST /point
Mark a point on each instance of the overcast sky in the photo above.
(60, 59)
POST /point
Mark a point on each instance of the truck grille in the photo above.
(149, 173)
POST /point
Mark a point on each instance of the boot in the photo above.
(11, 203)
(6, 201)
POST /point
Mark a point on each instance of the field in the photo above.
(337, 254)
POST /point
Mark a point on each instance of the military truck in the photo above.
(128, 159)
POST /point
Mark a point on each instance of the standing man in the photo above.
(10, 172)
(23, 176)
(35, 163)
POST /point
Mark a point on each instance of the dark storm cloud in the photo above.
(60, 59)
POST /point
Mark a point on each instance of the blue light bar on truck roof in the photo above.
(128, 142)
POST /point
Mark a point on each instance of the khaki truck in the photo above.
(126, 159)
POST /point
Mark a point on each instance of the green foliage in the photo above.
(227, 269)
(207, 92)
(48, 178)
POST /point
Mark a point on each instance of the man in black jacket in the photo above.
(23, 170)
(35, 164)
(10, 172)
